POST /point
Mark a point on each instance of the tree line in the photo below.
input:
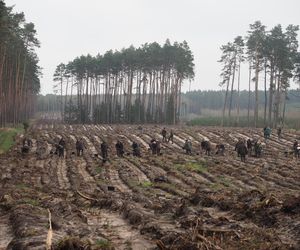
(273, 56)
(197, 101)
(134, 85)
(19, 70)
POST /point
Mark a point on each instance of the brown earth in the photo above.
(171, 201)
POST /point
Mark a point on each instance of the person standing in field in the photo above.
(136, 149)
(279, 130)
(104, 151)
(171, 136)
(79, 147)
(120, 148)
(164, 135)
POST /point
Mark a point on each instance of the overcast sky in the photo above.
(70, 28)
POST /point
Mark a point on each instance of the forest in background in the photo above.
(144, 84)
(19, 70)
(133, 85)
(271, 56)
(205, 107)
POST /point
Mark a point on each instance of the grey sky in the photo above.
(70, 28)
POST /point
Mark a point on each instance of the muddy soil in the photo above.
(166, 201)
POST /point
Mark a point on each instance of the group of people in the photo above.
(205, 146)
(250, 147)
(244, 148)
(120, 149)
(267, 131)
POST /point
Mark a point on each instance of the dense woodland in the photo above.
(140, 85)
(132, 85)
(198, 100)
(194, 102)
(19, 70)
(271, 55)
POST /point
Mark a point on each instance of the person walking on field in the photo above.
(171, 136)
(279, 130)
(296, 149)
(153, 146)
(136, 149)
(242, 150)
(267, 132)
(188, 147)
(120, 148)
(249, 146)
(104, 151)
(164, 135)
(79, 147)
(61, 148)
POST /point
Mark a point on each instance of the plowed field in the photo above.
(171, 201)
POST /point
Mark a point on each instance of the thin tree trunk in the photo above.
(256, 91)
(266, 97)
(238, 95)
(231, 91)
(249, 94)
(271, 95)
(225, 102)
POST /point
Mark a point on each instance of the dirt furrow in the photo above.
(119, 234)
(114, 178)
(91, 147)
(145, 144)
(6, 233)
(62, 174)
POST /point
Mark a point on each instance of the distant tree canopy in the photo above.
(194, 102)
(132, 85)
(197, 101)
(19, 70)
(272, 55)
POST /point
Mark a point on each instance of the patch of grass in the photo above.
(7, 136)
(133, 183)
(98, 170)
(146, 184)
(224, 181)
(21, 186)
(31, 202)
(103, 243)
(192, 166)
(168, 187)
(67, 241)
(216, 186)
(291, 121)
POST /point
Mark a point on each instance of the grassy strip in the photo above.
(7, 136)
(192, 166)
(243, 122)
